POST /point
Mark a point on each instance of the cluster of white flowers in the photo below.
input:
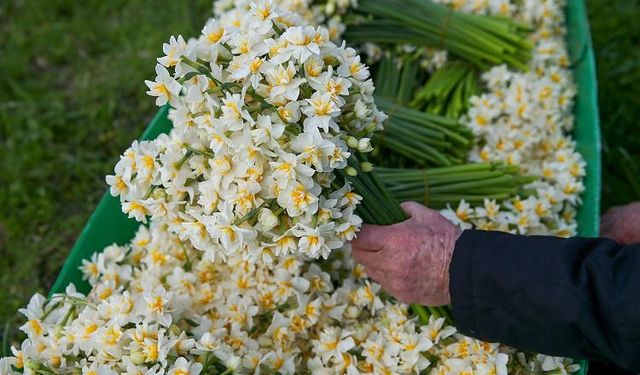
(330, 14)
(525, 118)
(264, 116)
(327, 13)
(157, 306)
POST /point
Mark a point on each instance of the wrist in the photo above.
(450, 245)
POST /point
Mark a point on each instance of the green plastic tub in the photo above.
(109, 225)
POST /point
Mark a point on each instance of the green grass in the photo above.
(72, 98)
(616, 35)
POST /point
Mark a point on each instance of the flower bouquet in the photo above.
(269, 121)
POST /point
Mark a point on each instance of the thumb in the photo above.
(418, 211)
(414, 209)
(372, 237)
(422, 214)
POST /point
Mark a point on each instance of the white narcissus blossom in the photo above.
(183, 367)
(261, 107)
(164, 87)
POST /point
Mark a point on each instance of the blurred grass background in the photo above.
(616, 35)
(72, 98)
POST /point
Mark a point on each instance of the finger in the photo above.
(607, 224)
(372, 237)
(412, 208)
(369, 259)
(416, 210)
(375, 274)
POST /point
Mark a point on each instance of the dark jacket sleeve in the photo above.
(577, 297)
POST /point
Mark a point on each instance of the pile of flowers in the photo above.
(525, 118)
(263, 180)
(158, 306)
(265, 114)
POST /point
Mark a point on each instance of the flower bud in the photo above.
(366, 166)
(33, 365)
(360, 109)
(137, 358)
(364, 145)
(159, 193)
(350, 171)
(267, 219)
(352, 142)
(324, 179)
(361, 333)
(352, 312)
(175, 330)
(330, 8)
(324, 215)
(371, 127)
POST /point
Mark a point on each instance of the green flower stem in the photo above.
(67, 317)
(414, 143)
(253, 213)
(184, 158)
(473, 167)
(384, 195)
(463, 186)
(208, 154)
(448, 90)
(412, 115)
(371, 201)
(186, 257)
(434, 311)
(408, 79)
(422, 313)
(438, 187)
(422, 137)
(445, 312)
(419, 135)
(411, 153)
(46, 314)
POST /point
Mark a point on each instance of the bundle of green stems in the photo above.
(424, 138)
(448, 90)
(438, 187)
(379, 207)
(397, 76)
(480, 39)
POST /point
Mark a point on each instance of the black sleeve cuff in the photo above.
(461, 283)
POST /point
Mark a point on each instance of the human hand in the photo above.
(410, 259)
(622, 224)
